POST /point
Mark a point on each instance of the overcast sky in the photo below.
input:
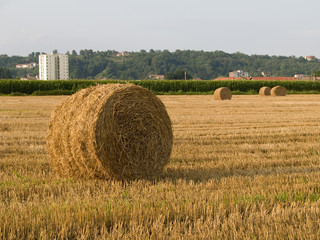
(272, 27)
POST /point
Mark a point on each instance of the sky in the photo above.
(273, 27)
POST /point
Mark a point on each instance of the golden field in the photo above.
(248, 168)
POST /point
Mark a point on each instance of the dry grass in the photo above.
(242, 169)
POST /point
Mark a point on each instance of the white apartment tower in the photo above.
(53, 67)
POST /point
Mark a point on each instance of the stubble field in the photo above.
(248, 168)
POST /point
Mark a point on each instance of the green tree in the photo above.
(316, 74)
(5, 73)
(178, 75)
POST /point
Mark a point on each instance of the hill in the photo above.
(89, 64)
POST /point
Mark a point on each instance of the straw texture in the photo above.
(278, 91)
(265, 91)
(222, 93)
(113, 131)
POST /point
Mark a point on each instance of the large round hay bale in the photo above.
(264, 91)
(278, 91)
(113, 131)
(222, 93)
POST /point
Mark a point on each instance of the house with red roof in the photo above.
(238, 73)
(310, 58)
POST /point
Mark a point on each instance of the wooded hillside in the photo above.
(89, 64)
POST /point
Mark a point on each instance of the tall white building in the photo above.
(53, 67)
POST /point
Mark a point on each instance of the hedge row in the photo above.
(157, 86)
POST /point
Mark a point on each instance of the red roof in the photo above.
(257, 78)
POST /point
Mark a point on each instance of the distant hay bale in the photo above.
(113, 131)
(265, 91)
(222, 93)
(278, 91)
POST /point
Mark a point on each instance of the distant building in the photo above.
(123, 54)
(257, 78)
(153, 76)
(299, 75)
(29, 77)
(53, 67)
(302, 77)
(26, 65)
(266, 74)
(238, 73)
(310, 58)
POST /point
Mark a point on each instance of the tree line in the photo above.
(89, 64)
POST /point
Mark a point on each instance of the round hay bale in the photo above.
(278, 91)
(264, 91)
(222, 93)
(113, 131)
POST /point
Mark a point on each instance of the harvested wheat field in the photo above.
(242, 169)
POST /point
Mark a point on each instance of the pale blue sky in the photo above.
(273, 27)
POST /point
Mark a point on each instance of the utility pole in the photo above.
(185, 75)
